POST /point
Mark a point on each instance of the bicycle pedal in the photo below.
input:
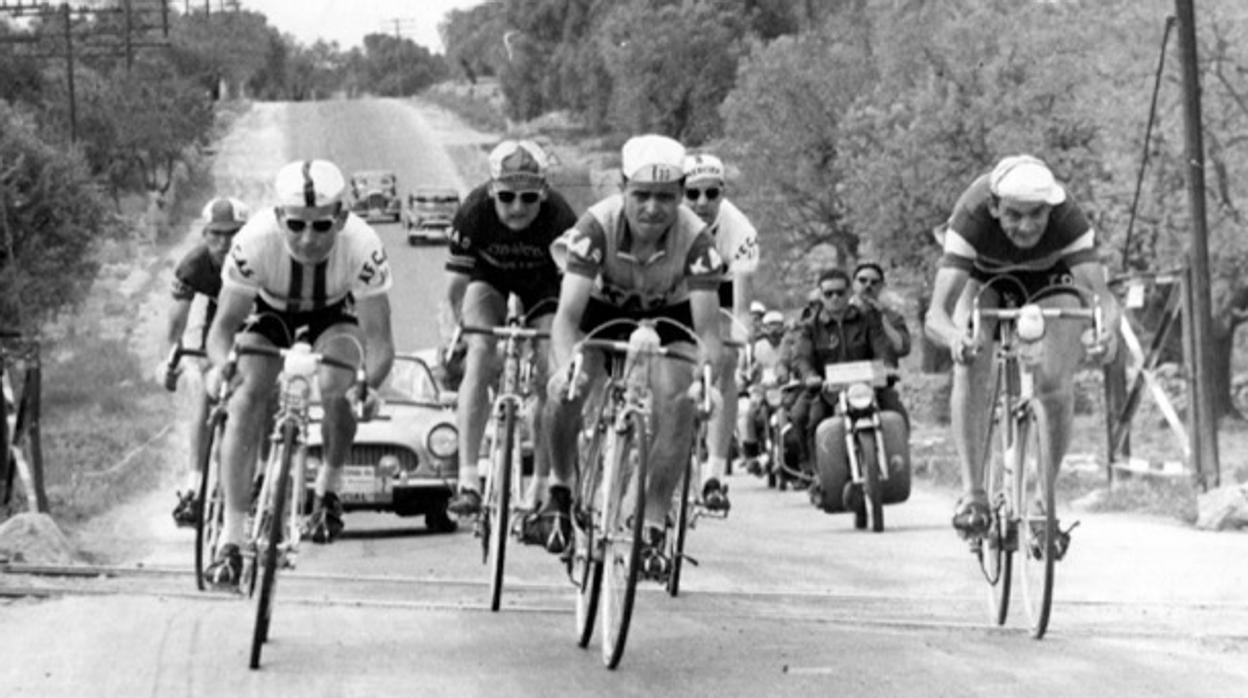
(691, 560)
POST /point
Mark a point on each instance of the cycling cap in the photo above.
(308, 183)
(773, 317)
(757, 307)
(225, 213)
(1025, 178)
(652, 159)
(518, 162)
(703, 167)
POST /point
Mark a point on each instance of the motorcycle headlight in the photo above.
(859, 396)
(442, 441)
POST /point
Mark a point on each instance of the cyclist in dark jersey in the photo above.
(1016, 220)
(199, 273)
(500, 245)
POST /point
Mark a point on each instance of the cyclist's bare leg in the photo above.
(719, 428)
(969, 413)
(338, 423)
(671, 423)
(199, 427)
(562, 420)
(483, 306)
(243, 430)
(1054, 379)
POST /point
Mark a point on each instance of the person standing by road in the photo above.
(737, 242)
(500, 245)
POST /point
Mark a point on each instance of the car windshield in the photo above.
(410, 380)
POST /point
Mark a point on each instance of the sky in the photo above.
(347, 21)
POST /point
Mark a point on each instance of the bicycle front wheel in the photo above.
(625, 502)
(498, 508)
(586, 563)
(211, 500)
(872, 489)
(1037, 526)
(268, 543)
(676, 535)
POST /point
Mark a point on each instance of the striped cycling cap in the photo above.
(308, 183)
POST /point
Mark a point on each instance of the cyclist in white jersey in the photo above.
(737, 242)
(306, 263)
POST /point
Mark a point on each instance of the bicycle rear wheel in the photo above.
(676, 534)
(498, 508)
(872, 488)
(1037, 526)
(586, 563)
(625, 508)
(269, 542)
(211, 500)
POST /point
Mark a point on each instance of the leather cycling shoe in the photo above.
(715, 496)
(654, 562)
(973, 517)
(226, 569)
(325, 523)
(186, 513)
(466, 503)
(551, 525)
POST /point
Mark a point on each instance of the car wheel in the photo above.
(440, 522)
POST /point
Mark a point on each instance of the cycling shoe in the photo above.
(325, 523)
(550, 526)
(973, 516)
(226, 569)
(465, 503)
(654, 562)
(186, 513)
(715, 496)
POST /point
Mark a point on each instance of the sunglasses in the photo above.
(834, 292)
(711, 194)
(321, 225)
(869, 280)
(526, 197)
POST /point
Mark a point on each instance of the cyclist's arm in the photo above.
(456, 285)
(945, 292)
(565, 328)
(1091, 275)
(704, 305)
(233, 306)
(179, 312)
(374, 316)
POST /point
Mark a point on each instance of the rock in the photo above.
(1225, 508)
(35, 539)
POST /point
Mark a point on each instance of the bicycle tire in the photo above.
(498, 508)
(676, 536)
(7, 466)
(270, 542)
(997, 561)
(623, 551)
(872, 488)
(586, 557)
(1037, 526)
(211, 501)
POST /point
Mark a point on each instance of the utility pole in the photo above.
(69, 73)
(1204, 437)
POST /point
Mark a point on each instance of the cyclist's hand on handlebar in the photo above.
(812, 382)
(366, 408)
(694, 393)
(964, 348)
(167, 375)
(1103, 348)
(557, 386)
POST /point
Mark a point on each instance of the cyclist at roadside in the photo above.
(868, 284)
(638, 254)
(199, 273)
(767, 372)
(1015, 220)
(500, 245)
(834, 332)
(737, 242)
(305, 263)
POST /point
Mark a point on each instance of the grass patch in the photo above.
(474, 106)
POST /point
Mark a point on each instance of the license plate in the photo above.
(359, 482)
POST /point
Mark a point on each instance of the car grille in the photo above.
(377, 200)
(371, 455)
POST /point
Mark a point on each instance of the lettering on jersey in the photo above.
(746, 250)
(367, 272)
(237, 253)
(582, 246)
(379, 257)
(708, 262)
(459, 239)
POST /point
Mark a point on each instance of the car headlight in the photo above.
(859, 396)
(443, 441)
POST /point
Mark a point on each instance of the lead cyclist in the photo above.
(1015, 220)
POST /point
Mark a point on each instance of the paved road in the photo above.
(785, 601)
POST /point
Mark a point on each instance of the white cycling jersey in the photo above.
(736, 240)
(261, 262)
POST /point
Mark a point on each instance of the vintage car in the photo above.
(375, 197)
(429, 214)
(405, 460)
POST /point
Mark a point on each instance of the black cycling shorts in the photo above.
(725, 294)
(1032, 281)
(530, 294)
(598, 312)
(280, 326)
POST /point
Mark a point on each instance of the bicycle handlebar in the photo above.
(505, 331)
(171, 364)
(293, 357)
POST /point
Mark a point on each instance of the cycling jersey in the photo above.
(735, 238)
(260, 262)
(519, 262)
(975, 241)
(600, 245)
(199, 273)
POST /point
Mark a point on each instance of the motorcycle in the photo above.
(862, 453)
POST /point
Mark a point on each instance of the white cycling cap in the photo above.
(310, 183)
(518, 162)
(757, 307)
(773, 317)
(652, 159)
(703, 166)
(1025, 178)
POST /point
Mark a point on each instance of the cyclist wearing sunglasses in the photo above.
(638, 254)
(833, 331)
(1014, 220)
(500, 245)
(305, 263)
(737, 242)
(199, 273)
(868, 284)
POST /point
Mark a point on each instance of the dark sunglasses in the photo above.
(711, 193)
(834, 292)
(869, 280)
(527, 197)
(321, 225)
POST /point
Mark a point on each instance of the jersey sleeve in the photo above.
(242, 264)
(463, 255)
(582, 249)
(1074, 227)
(704, 266)
(745, 247)
(183, 286)
(372, 275)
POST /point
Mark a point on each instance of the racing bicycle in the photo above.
(1020, 487)
(504, 489)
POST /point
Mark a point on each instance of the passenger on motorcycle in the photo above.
(767, 372)
(832, 332)
(500, 245)
(199, 273)
(637, 255)
(305, 263)
(868, 285)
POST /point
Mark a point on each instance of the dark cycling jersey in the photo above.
(198, 273)
(485, 249)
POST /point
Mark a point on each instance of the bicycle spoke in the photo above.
(1037, 531)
